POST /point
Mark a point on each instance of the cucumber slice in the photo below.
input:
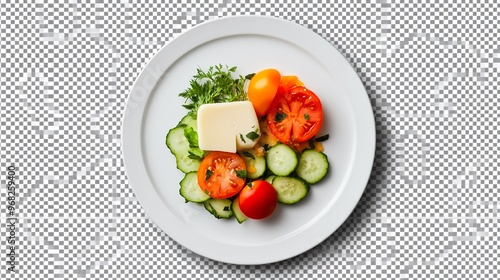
(290, 190)
(220, 208)
(281, 160)
(270, 178)
(179, 147)
(235, 207)
(186, 164)
(189, 120)
(190, 189)
(176, 141)
(313, 166)
(256, 165)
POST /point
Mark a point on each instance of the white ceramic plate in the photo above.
(251, 43)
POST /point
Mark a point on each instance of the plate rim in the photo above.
(194, 37)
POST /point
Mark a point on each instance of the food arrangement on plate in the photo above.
(248, 143)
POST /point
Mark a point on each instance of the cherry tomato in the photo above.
(222, 174)
(262, 89)
(288, 82)
(295, 115)
(258, 199)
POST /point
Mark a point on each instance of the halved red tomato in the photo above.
(295, 115)
(222, 174)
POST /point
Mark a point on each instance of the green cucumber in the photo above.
(252, 160)
(176, 141)
(190, 189)
(281, 160)
(290, 190)
(235, 207)
(190, 121)
(179, 146)
(220, 208)
(270, 178)
(313, 166)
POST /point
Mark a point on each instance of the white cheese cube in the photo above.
(227, 127)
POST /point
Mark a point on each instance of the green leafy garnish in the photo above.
(242, 139)
(249, 76)
(248, 154)
(241, 173)
(196, 154)
(306, 116)
(279, 117)
(322, 138)
(311, 144)
(192, 136)
(216, 85)
(208, 174)
(252, 135)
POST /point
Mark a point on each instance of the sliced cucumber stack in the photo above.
(179, 146)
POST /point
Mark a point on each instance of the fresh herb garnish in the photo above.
(241, 173)
(247, 154)
(322, 138)
(311, 144)
(192, 136)
(279, 117)
(242, 139)
(306, 116)
(208, 174)
(252, 135)
(249, 76)
(216, 85)
(196, 154)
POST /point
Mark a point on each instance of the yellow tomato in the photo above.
(262, 89)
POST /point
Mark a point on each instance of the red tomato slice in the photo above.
(258, 199)
(295, 115)
(222, 174)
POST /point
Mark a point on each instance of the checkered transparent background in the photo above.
(430, 209)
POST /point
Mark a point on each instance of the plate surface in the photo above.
(251, 43)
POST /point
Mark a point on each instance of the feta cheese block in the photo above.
(227, 127)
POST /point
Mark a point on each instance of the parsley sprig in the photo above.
(216, 85)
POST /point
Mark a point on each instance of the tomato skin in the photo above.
(218, 174)
(262, 89)
(258, 199)
(295, 115)
(288, 82)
